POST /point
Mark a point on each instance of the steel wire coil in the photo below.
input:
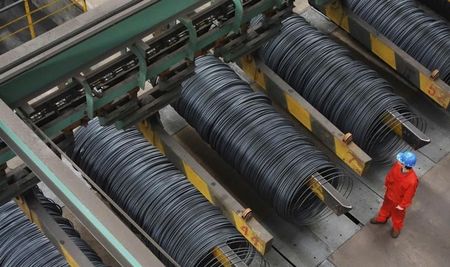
(265, 147)
(442, 7)
(423, 37)
(66, 225)
(22, 244)
(158, 197)
(352, 96)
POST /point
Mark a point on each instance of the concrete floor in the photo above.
(425, 240)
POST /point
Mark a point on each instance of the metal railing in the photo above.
(28, 15)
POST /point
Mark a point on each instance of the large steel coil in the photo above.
(442, 7)
(23, 244)
(352, 96)
(264, 146)
(158, 197)
(423, 37)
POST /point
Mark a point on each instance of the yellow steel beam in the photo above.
(305, 113)
(81, 4)
(29, 18)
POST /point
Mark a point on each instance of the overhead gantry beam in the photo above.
(84, 40)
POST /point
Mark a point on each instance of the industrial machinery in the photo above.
(118, 66)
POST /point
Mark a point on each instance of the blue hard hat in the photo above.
(407, 158)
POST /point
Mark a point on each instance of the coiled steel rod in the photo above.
(442, 7)
(23, 244)
(56, 212)
(352, 96)
(265, 147)
(423, 37)
(158, 197)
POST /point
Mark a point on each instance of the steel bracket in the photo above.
(90, 99)
(138, 49)
(329, 195)
(238, 15)
(405, 129)
(193, 37)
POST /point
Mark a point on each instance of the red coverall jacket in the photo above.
(401, 187)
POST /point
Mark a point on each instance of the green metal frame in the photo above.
(138, 49)
(63, 65)
(32, 81)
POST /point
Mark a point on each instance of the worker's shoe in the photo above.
(395, 233)
(375, 221)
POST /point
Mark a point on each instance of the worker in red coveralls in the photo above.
(401, 183)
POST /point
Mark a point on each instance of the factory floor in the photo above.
(349, 240)
(425, 240)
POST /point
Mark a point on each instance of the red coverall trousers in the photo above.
(400, 190)
(388, 210)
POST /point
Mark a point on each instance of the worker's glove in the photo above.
(399, 208)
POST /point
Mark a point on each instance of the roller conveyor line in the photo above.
(262, 78)
(239, 215)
